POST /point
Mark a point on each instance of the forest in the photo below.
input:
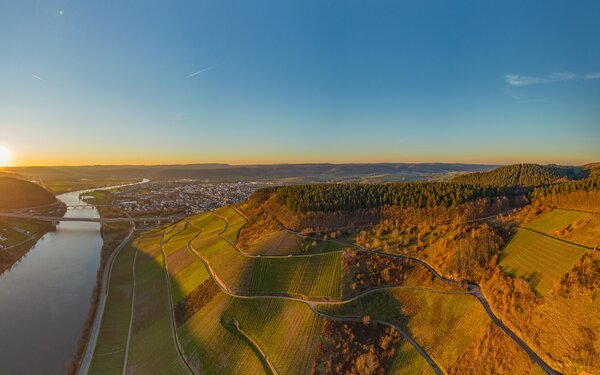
(523, 175)
(349, 197)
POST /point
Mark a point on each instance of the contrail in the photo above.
(37, 77)
(202, 71)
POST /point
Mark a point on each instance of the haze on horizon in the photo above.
(300, 81)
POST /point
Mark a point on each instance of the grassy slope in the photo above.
(576, 226)
(20, 194)
(554, 220)
(151, 348)
(539, 259)
(109, 354)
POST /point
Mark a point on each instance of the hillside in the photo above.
(526, 175)
(20, 194)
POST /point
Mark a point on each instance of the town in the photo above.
(183, 196)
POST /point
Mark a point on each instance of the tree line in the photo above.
(330, 197)
(524, 175)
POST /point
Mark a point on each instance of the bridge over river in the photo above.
(26, 216)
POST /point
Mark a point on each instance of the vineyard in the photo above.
(287, 330)
(556, 219)
(450, 326)
(213, 349)
(314, 276)
(539, 259)
(151, 348)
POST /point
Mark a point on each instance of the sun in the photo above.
(4, 156)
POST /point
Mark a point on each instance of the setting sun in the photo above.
(4, 156)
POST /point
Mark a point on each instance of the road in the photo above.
(474, 289)
(312, 304)
(23, 216)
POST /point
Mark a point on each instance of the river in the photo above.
(44, 299)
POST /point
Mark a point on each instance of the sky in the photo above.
(161, 82)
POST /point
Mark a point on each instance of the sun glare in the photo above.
(4, 156)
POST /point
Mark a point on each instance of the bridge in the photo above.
(15, 215)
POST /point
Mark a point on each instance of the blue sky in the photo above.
(299, 81)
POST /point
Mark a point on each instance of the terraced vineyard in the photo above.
(539, 259)
(211, 347)
(278, 332)
(287, 331)
(314, 276)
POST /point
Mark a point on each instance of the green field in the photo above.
(109, 354)
(539, 259)
(556, 219)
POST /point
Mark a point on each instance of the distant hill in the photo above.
(526, 175)
(21, 194)
(224, 172)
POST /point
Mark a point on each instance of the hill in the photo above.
(225, 172)
(20, 194)
(525, 175)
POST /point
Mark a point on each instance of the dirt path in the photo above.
(174, 334)
(130, 317)
(312, 304)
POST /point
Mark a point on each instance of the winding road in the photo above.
(472, 289)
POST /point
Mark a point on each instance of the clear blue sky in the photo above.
(86, 82)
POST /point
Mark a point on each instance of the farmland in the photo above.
(539, 259)
(109, 355)
(126, 335)
(447, 323)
